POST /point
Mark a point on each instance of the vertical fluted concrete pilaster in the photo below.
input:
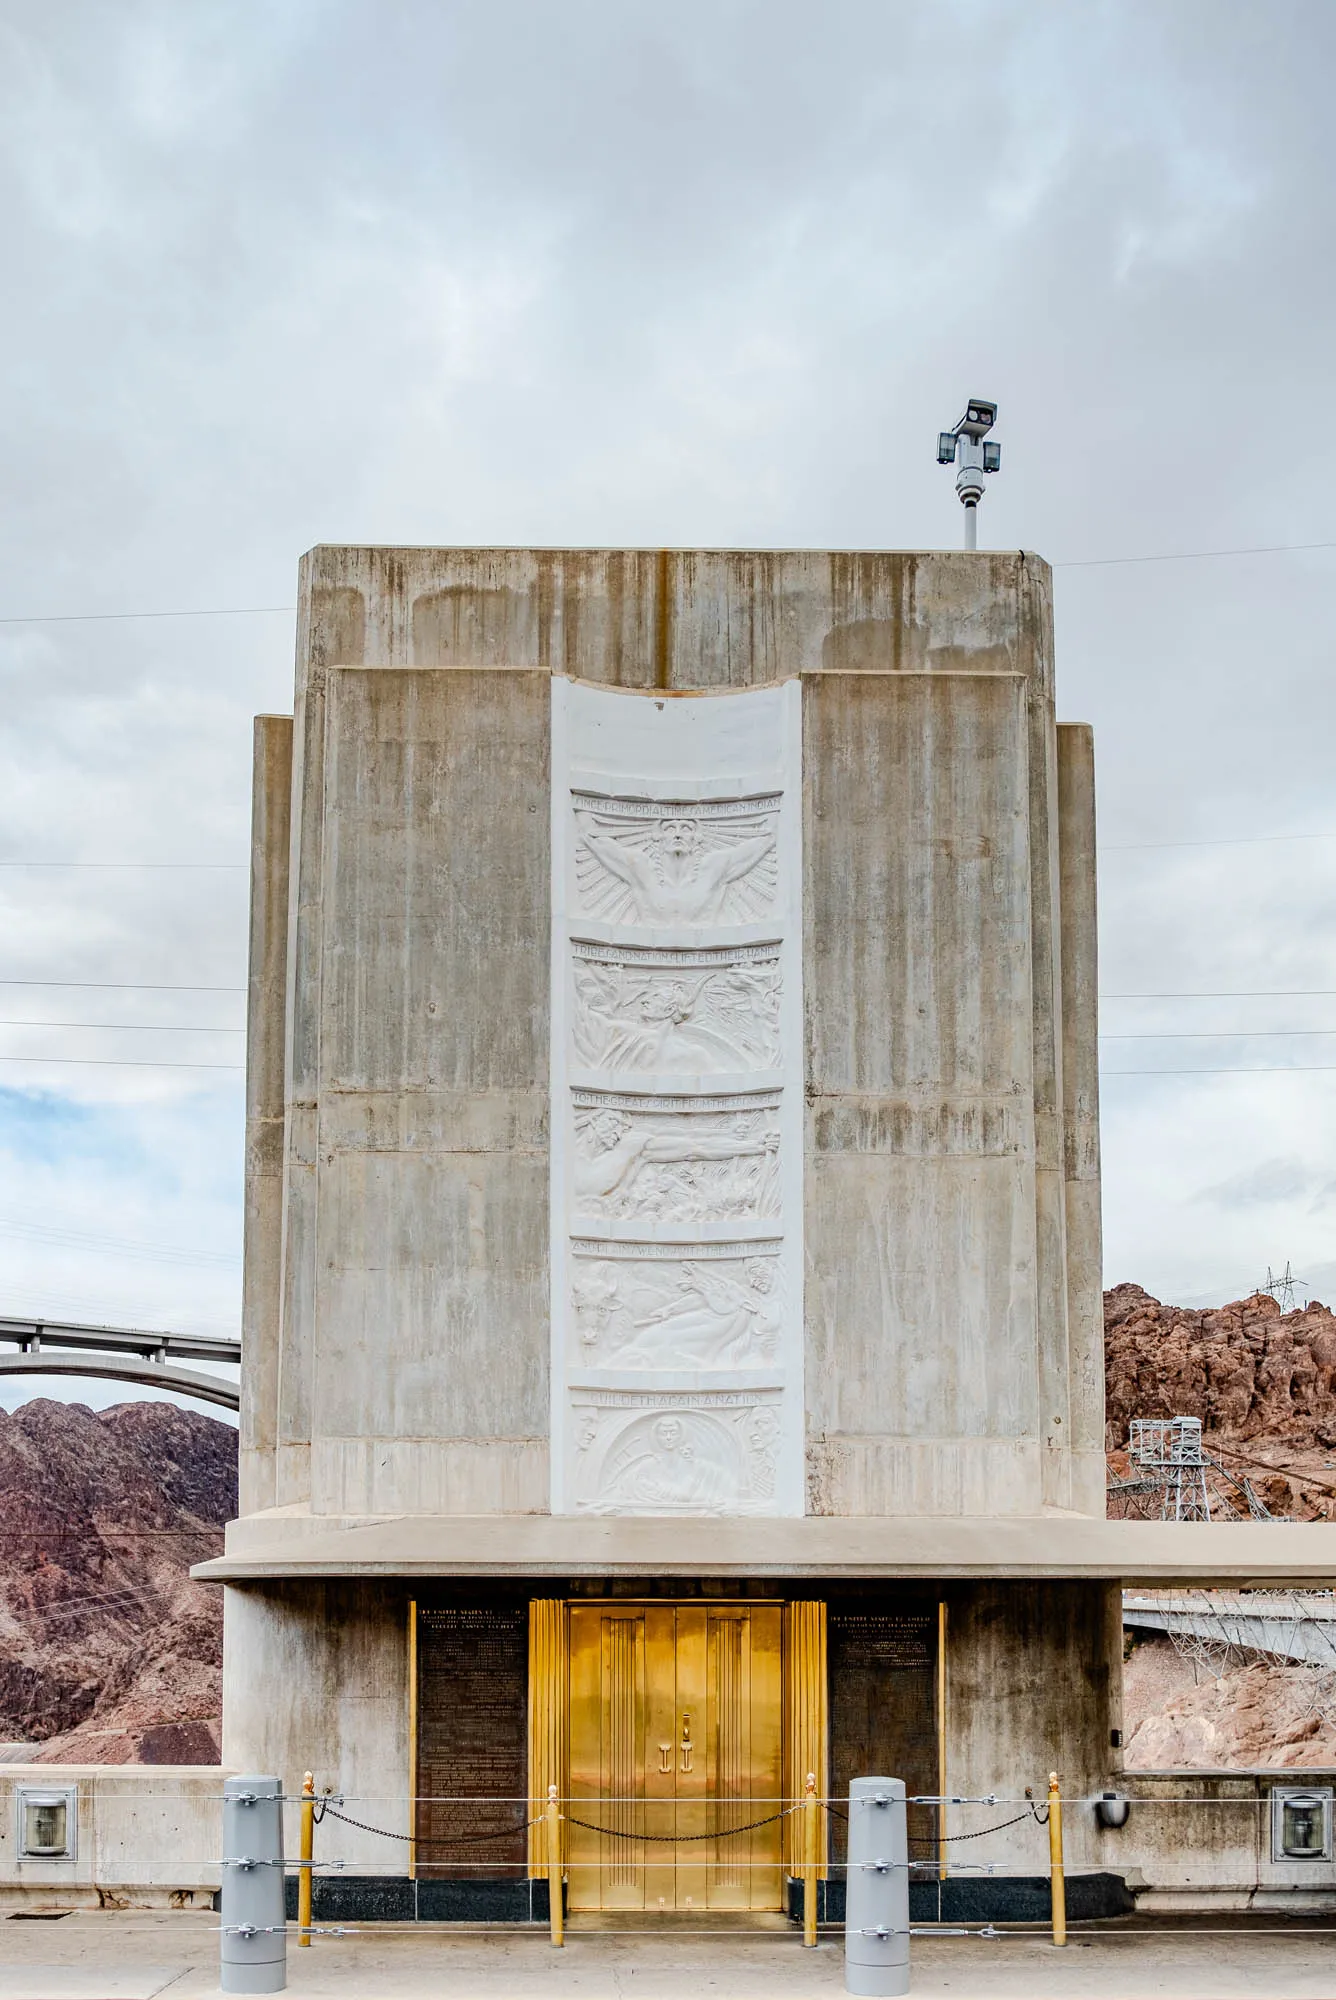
(549, 1674)
(805, 1718)
(1080, 1074)
(261, 1297)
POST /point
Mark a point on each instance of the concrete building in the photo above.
(672, 1344)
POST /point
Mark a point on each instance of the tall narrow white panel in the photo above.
(676, 1102)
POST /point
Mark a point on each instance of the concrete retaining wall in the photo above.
(150, 1837)
(145, 1836)
(1212, 1852)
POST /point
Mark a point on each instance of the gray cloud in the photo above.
(1270, 1181)
(601, 272)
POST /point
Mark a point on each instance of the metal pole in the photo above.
(811, 1810)
(876, 1922)
(941, 1741)
(971, 525)
(556, 1914)
(254, 1932)
(1055, 1860)
(307, 1855)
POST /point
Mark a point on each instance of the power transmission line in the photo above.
(1179, 1035)
(1233, 1069)
(189, 1028)
(289, 610)
(1234, 993)
(112, 1062)
(1194, 555)
(1247, 840)
(106, 617)
(120, 986)
(130, 864)
(1111, 847)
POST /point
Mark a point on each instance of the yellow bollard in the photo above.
(557, 1914)
(308, 1850)
(811, 1822)
(1055, 1860)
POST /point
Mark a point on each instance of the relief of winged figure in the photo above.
(674, 874)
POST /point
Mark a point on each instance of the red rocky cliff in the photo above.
(1262, 1382)
(108, 1652)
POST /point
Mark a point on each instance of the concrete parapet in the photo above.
(144, 1836)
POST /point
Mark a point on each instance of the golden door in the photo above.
(674, 1740)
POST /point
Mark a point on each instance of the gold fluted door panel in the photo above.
(548, 1716)
(675, 1734)
(806, 1737)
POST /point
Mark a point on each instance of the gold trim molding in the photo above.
(549, 1749)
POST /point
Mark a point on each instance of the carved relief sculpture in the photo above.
(718, 1014)
(675, 867)
(681, 1459)
(694, 1312)
(677, 1102)
(676, 1167)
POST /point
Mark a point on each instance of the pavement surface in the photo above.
(138, 1954)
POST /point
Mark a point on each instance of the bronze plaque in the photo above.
(883, 1723)
(472, 1670)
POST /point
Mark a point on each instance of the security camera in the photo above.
(979, 417)
(964, 448)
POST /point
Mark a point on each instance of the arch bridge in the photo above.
(121, 1354)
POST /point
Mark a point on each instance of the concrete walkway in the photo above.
(134, 1955)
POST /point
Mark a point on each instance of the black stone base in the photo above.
(983, 1899)
(395, 1899)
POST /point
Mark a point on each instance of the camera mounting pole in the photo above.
(964, 446)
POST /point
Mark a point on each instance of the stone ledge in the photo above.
(929, 1548)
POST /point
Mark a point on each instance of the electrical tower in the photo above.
(1283, 1289)
(1169, 1449)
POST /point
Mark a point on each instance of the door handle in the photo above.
(687, 1745)
(665, 1756)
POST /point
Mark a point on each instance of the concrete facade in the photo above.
(950, 1338)
(673, 1144)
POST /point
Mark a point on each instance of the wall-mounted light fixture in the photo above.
(1301, 1823)
(48, 1822)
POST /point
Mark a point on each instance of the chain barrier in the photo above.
(916, 1840)
(680, 1839)
(451, 1840)
(1040, 1817)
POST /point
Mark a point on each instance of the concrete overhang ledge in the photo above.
(1260, 1553)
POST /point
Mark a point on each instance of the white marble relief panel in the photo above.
(670, 1163)
(708, 1012)
(676, 1102)
(705, 1306)
(660, 1453)
(675, 866)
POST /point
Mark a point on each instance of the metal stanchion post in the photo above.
(811, 1812)
(254, 1941)
(556, 1914)
(307, 1855)
(876, 1920)
(1055, 1860)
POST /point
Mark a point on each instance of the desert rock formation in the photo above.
(1262, 1382)
(108, 1652)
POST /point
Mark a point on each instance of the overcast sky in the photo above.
(601, 271)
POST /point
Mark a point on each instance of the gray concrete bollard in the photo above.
(254, 1922)
(876, 1921)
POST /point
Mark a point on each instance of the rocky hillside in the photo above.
(1262, 1382)
(108, 1652)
